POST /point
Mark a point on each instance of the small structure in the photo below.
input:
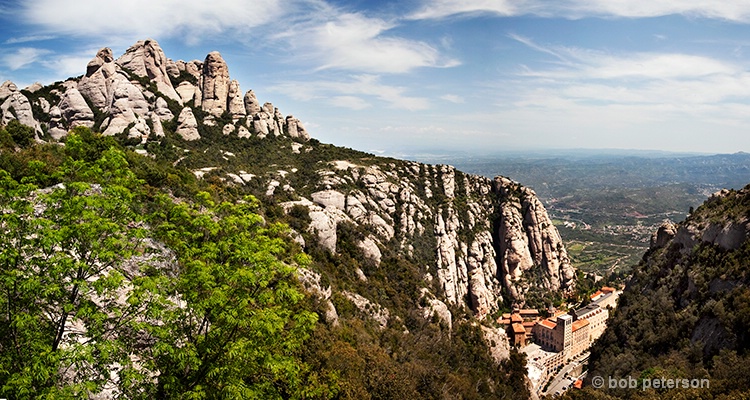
(521, 323)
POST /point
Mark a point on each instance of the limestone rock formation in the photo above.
(17, 106)
(7, 89)
(236, 103)
(146, 59)
(252, 105)
(295, 129)
(215, 88)
(663, 235)
(96, 84)
(187, 125)
(162, 110)
(128, 104)
(187, 92)
(75, 110)
(527, 239)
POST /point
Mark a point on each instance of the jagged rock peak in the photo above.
(146, 59)
(664, 234)
(7, 89)
(97, 84)
(215, 84)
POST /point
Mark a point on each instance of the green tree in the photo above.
(64, 281)
(240, 331)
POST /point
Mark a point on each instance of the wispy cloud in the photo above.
(738, 11)
(353, 93)
(444, 8)
(23, 57)
(354, 42)
(592, 64)
(452, 98)
(146, 18)
(27, 39)
(626, 92)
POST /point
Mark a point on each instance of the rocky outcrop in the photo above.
(97, 84)
(8, 88)
(75, 110)
(252, 105)
(236, 104)
(187, 125)
(122, 100)
(488, 238)
(528, 240)
(215, 77)
(16, 106)
(295, 129)
(146, 59)
(663, 234)
(128, 105)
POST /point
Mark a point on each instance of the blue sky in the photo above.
(416, 76)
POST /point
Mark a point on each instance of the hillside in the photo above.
(404, 266)
(684, 313)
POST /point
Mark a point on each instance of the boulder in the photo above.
(188, 91)
(140, 129)
(187, 125)
(128, 103)
(227, 129)
(7, 89)
(34, 87)
(242, 132)
(158, 128)
(663, 235)
(162, 110)
(172, 69)
(295, 129)
(74, 109)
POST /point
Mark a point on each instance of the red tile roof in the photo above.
(580, 324)
(607, 289)
(516, 318)
(518, 328)
(598, 293)
(548, 324)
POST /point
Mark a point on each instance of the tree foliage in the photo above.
(109, 290)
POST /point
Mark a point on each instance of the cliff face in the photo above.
(478, 242)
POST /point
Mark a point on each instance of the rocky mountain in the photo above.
(684, 313)
(489, 237)
(393, 242)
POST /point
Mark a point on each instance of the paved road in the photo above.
(563, 380)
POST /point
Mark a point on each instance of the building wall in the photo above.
(597, 322)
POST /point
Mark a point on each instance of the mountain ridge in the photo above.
(399, 249)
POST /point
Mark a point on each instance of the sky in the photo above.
(420, 76)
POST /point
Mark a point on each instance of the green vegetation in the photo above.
(87, 294)
(685, 314)
(126, 273)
